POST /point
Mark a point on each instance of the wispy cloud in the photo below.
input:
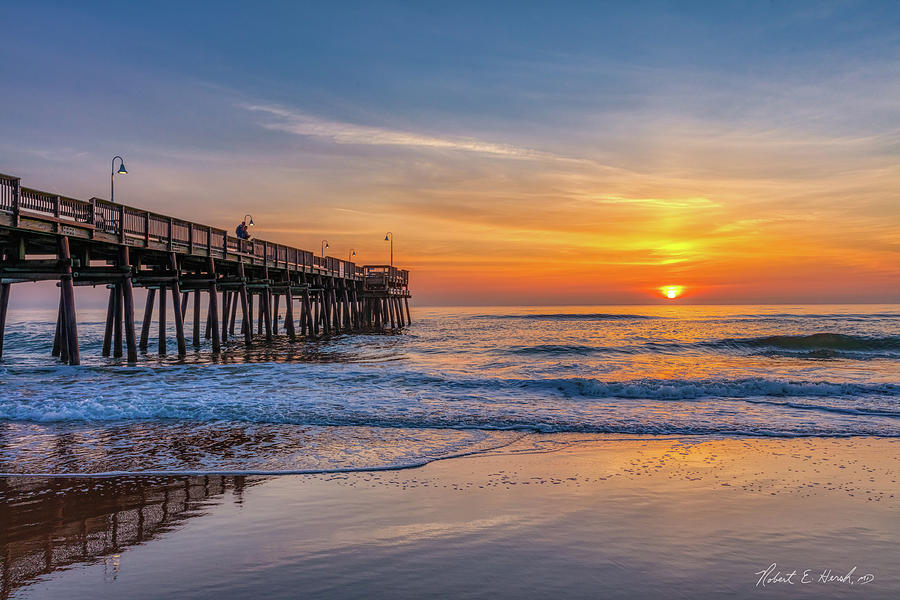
(694, 203)
(298, 123)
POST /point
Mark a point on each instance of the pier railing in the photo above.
(142, 228)
(385, 277)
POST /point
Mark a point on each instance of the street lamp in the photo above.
(112, 176)
(390, 237)
(324, 245)
(352, 254)
(251, 223)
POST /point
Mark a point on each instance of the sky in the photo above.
(520, 153)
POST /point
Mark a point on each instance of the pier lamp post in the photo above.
(324, 245)
(251, 223)
(352, 254)
(390, 237)
(112, 176)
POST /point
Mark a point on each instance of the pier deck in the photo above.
(46, 236)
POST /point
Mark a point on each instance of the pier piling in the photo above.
(48, 237)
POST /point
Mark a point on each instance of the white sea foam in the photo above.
(715, 372)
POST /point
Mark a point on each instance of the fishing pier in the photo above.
(45, 236)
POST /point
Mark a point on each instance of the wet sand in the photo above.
(574, 516)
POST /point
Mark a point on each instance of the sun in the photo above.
(671, 291)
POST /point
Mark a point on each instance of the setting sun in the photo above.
(671, 291)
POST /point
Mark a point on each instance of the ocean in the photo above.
(458, 381)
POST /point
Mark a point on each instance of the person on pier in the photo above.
(242, 232)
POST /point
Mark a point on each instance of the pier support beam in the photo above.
(275, 299)
(176, 306)
(120, 305)
(196, 317)
(306, 326)
(246, 309)
(259, 317)
(67, 290)
(289, 313)
(232, 320)
(266, 298)
(128, 300)
(58, 336)
(184, 303)
(110, 316)
(214, 308)
(4, 305)
(226, 306)
(162, 320)
(348, 320)
(148, 318)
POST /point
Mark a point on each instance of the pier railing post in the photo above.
(16, 200)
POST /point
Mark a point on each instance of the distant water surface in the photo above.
(459, 380)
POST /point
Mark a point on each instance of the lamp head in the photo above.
(251, 222)
(122, 170)
(386, 238)
(326, 245)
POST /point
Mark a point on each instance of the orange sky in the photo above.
(563, 160)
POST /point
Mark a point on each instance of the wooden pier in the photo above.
(45, 236)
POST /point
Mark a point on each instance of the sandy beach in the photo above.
(564, 515)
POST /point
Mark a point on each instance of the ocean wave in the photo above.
(412, 400)
(566, 349)
(818, 346)
(838, 316)
(690, 389)
(819, 341)
(571, 317)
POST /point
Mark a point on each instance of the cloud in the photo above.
(351, 133)
(698, 202)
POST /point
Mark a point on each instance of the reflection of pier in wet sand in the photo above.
(52, 524)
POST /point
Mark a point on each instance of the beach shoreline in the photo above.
(618, 516)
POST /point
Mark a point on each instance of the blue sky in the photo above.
(496, 126)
